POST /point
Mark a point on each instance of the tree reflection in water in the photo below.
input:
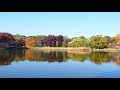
(50, 56)
(8, 56)
(78, 56)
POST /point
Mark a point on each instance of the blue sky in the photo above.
(71, 24)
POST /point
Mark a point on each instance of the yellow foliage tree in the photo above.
(30, 42)
(117, 39)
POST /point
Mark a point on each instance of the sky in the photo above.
(71, 24)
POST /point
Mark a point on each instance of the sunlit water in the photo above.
(58, 64)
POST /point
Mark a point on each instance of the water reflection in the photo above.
(100, 57)
(8, 56)
(54, 56)
(78, 56)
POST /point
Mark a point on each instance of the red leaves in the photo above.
(7, 40)
(54, 40)
(39, 42)
(21, 42)
(57, 43)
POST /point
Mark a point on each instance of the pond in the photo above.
(58, 64)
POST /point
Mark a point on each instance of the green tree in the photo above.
(43, 39)
(18, 36)
(99, 41)
(79, 42)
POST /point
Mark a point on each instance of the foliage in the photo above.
(100, 57)
(54, 41)
(60, 40)
(100, 42)
(39, 42)
(21, 42)
(31, 42)
(65, 44)
(82, 37)
(7, 40)
(79, 42)
(18, 36)
(117, 39)
(49, 40)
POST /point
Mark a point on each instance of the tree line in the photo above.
(98, 41)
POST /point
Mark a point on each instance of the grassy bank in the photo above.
(69, 49)
(75, 49)
(106, 50)
(49, 48)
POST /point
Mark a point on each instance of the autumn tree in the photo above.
(57, 43)
(39, 42)
(21, 42)
(82, 37)
(108, 39)
(79, 42)
(43, 39)
(18, 36)
(99, 41)
(49, 40)
(59, 39)
(66, 40)
(7, 40)
(117, 39)
(31, 42)
(53, 41)
(65, 43)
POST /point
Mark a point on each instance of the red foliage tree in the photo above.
(60, 40)
(21, 42)
(51, 40)
(57, 43)
(7, 40)
(39, 42)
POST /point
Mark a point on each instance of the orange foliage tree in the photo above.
(31, 42)
(117, 39)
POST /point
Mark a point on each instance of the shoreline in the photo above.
(106, 50)
(75, 49)
(13, 48)
(68, 49)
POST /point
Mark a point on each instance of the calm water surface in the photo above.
(58, 64)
